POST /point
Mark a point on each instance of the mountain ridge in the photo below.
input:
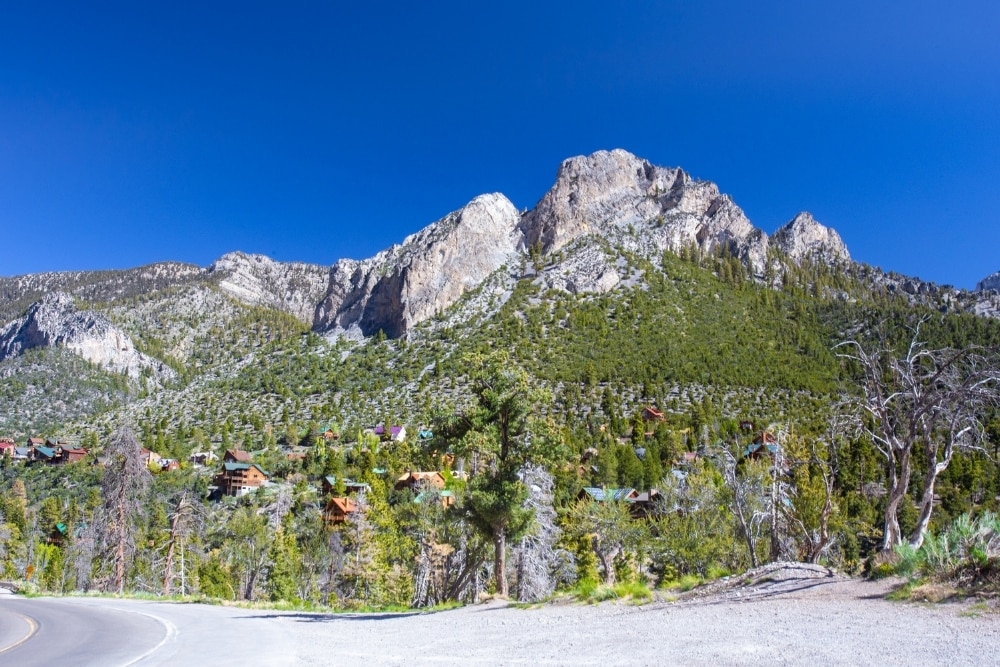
(600, 206)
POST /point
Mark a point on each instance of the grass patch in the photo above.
(683, 584)
(976, 610)
(592, 592)
(924, 590)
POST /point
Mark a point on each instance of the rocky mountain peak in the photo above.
(611, 191)
(293, 287)
(803, 237)
(593, 190)
(989, 283)
(55, 322)
(428, 272)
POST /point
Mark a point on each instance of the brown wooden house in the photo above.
(651, 414)
(237, 479)
(338, 509)
(149, 456)
(73, 454)
(417, 480)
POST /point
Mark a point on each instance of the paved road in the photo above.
(791, 619)
(55, 632)
(109, 633)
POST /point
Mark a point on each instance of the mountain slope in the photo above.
(624, 274)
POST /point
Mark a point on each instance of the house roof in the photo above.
(47, 452)
(420, 476)
(348, 483)
(652, 413)
(345, 505)
(601, 495)
(433, 494)
(239, 455)
(229, 466)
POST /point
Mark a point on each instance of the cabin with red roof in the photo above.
(338, 510)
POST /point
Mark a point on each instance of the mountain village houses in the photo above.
(40, 450)
(237, 473)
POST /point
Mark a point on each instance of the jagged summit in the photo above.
(803, 238)
(601, 208)
(610, 190)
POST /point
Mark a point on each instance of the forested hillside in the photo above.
(648, 398)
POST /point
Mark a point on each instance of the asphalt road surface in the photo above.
(109, 632)
(799, 617)
(55, 632)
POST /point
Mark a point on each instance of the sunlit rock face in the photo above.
(615, 190)
(55, 322)
(423, 275)
(803, 238)
(292, 287)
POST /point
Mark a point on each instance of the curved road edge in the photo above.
(15, 629)
(66, 632)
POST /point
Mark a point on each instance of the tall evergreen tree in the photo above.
(501, 431)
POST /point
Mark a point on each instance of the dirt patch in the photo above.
(785, 613)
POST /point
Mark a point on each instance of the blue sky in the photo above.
(137, 132)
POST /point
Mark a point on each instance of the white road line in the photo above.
(170, 636)
(32, 629)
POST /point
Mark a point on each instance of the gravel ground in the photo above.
(787, 616)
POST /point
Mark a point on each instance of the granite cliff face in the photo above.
(292, 287)
(610, 196)
(55, 322)
(428, 272)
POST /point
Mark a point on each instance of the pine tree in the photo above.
(501, 430)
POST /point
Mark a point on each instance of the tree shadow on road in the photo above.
(306, 617)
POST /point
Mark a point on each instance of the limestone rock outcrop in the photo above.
(292, 287)
(429, 271)
(55, 322)
(803, 238)
(612, 190)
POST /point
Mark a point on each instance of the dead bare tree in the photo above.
(185, 516)
(927, 400)
(748, 501)
(537, 557)
(123, 487)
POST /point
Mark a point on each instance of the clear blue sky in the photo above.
(134, 132)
